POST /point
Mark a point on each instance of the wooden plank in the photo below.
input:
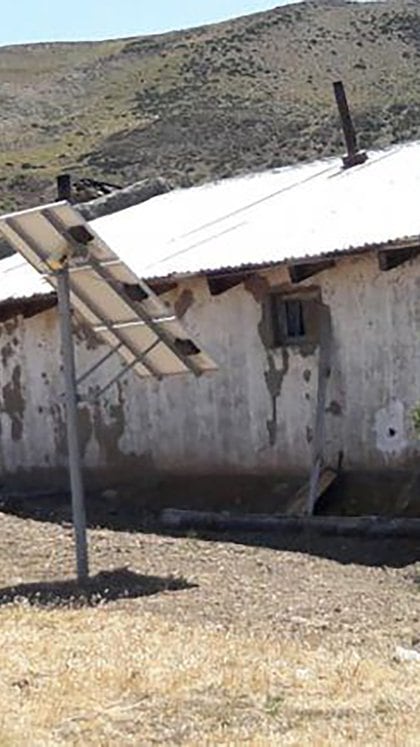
(298, 504)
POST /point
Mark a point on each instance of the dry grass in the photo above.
(102, 676)
(265, 646)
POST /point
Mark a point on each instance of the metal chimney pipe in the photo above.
(354, 156)
(64, 187)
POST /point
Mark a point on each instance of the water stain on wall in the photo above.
(259, 288)
(85, 428)
(6, 353)
(274, 378)
(59, 429)
(108, 433)
(14, 403)
(85, 334)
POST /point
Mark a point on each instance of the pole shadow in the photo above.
(105, 587)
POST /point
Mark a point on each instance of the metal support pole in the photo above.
(73, 445)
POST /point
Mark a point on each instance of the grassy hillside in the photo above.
(209, 102)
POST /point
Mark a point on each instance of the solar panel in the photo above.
(120, 307)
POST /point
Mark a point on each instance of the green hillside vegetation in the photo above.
(243, 95)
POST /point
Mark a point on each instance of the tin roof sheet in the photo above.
(287, 214)
(20, 280)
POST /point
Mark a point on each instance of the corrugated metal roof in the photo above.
(20, 280)
(285, 214)
(292, 213)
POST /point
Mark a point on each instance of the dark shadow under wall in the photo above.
(385, 493)
(119, 513)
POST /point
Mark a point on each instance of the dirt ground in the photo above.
(230, 640)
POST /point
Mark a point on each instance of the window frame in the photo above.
(278, 330)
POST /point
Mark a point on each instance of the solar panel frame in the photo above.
(146, 333)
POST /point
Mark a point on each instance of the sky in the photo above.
(26, 21)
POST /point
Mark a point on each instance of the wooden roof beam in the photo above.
(390, 258)
(219, 284)
(299, 272)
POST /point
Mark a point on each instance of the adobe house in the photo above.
(302, 283)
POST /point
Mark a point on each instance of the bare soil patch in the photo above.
(187, 641)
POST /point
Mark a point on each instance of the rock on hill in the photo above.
(209, 102)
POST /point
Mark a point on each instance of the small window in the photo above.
(290, 319)
(295, 326)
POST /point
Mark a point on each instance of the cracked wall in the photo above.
(256, 413)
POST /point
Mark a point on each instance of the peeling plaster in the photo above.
(259, 287)
(6, 353)
(83, 333)
(334, 408)
(59, 429)
(11, 325)
(274, 379)
(85, 428)
(365, 379)
(14, 403)
(389, 429)
(108, 434)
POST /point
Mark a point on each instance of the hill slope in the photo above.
(246, 94)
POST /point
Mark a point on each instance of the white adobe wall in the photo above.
(220, 423)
